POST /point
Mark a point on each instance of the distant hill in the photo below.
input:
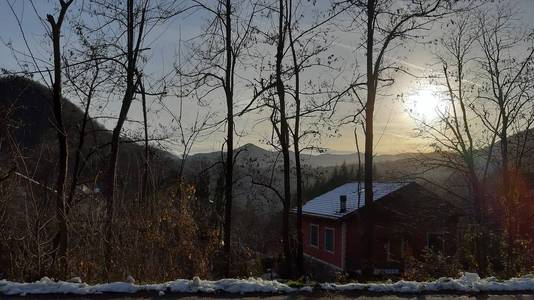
(30, 106)
(248, 151)
(31, 125)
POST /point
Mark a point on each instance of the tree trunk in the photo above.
(284, 138)
(228, 190)
(61, 239)
(115, 139)
(229, 166)
(368, 234)
(296, 146)
(146, 163)
(300, 242)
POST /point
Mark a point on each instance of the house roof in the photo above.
(327, 204)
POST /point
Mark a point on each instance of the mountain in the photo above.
(26, 114)
(327, 159)
(251, 151)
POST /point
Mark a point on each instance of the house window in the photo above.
(329, 239)
(436, 242)
(314, 235)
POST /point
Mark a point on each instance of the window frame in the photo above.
(333, 239)
(311, 234)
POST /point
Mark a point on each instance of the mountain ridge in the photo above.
(313, 160)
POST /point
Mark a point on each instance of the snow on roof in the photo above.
(328, 204)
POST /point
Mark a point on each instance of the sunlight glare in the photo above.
(425, 103)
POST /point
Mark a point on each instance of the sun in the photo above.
(425, 103)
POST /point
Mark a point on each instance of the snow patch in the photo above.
(467, 283)
(240, 286)
(75, 280)
(306, 289)
(130, 279)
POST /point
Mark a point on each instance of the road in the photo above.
(277, 297)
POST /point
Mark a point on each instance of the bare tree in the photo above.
(387, 24)
(283, 131)
(453, 134)
(296, 142)
(61, 240)
(133, 46)
(230, 43)
(306, 46)
(228, 83)
(124, 28)
(507, 92)
(485, 85)
(219, 54)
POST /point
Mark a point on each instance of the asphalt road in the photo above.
(277, 297)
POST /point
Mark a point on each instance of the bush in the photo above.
(431, 265)
(161, 240)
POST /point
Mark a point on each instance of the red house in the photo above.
(407, 219)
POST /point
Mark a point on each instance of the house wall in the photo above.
(319, 253)
(403, 221)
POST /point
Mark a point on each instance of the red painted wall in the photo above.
(334, 258)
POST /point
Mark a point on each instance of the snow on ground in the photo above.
(467, 283)
(48, 286)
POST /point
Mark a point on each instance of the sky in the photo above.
(394, 126)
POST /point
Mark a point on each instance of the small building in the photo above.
(407, 219)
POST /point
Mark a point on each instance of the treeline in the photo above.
(338, 176)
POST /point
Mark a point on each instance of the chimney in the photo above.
(342, 203)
